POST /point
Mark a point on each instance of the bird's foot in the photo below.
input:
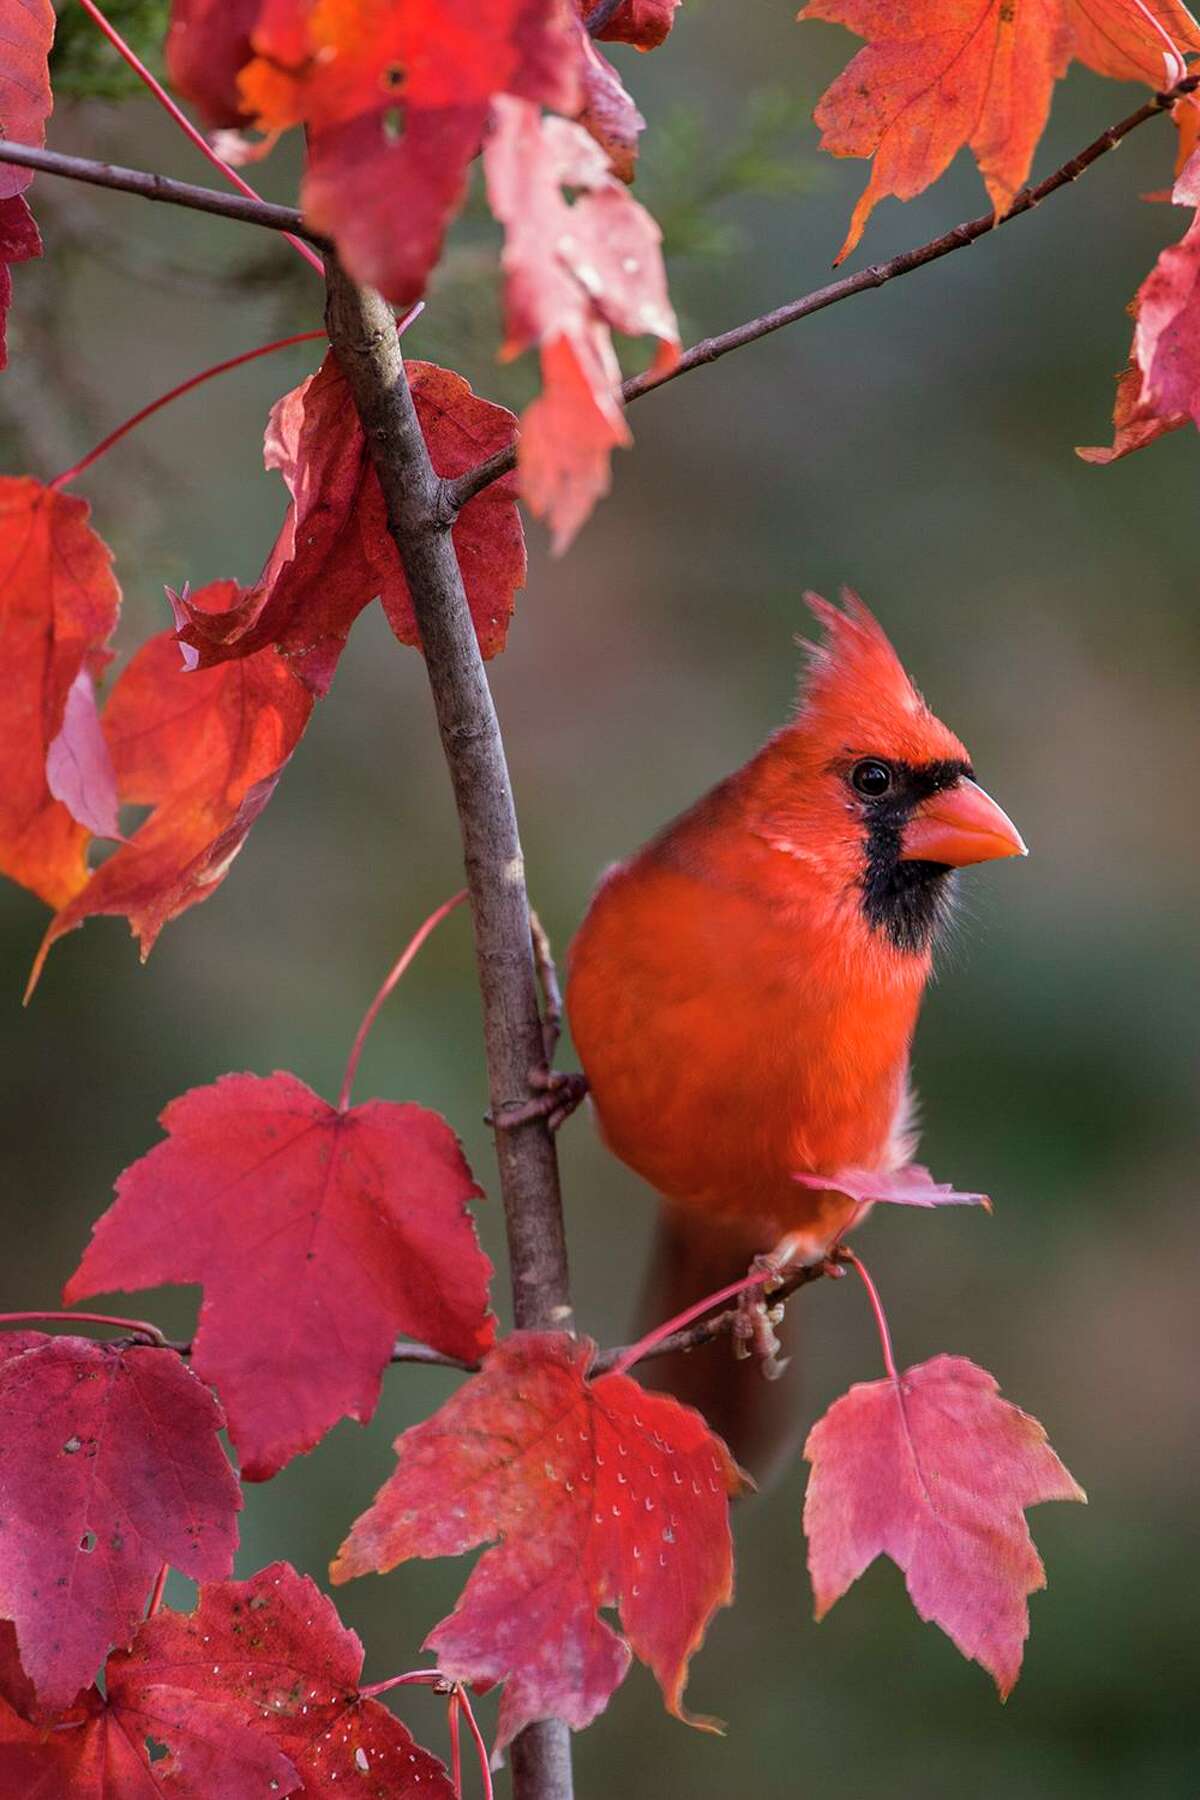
(753, 1330)
(754, 1327)
(754, 1334)
(557, 1094)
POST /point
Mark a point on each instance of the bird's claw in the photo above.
(754, 1331)
(558, 1093)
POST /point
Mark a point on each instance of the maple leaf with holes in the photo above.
(394, 100)
(58, 606)
(205, 751)
(335, 553)
(1159, 389)
(935, 1470)
(317, 1234)
(112, 1466)
(574, 273)
(255, 1692)
(600, 1493)
(935, 77)
(289, 1669)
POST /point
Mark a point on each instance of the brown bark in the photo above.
(363, 335)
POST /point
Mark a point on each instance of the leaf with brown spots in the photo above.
(110, 1466)
(253, 1693)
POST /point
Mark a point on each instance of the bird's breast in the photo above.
(729, 1043)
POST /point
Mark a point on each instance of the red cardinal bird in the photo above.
(743, 991)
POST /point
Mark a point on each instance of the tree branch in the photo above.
(709, 350)
(363, 335)
(406, 1350)
(160, 187)
(717, 1324)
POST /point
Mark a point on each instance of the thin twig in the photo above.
(160, 187)
(364, 340)
(881, 1320)
(140, 1328)
(710, 350)
(176, 393)
(705, 1330)
(397, 971)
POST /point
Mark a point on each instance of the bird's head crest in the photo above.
(856, 695)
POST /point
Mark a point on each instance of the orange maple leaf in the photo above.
(938, 74)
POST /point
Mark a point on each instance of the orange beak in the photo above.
(961, 825)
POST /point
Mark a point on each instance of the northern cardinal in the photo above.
(743, 991)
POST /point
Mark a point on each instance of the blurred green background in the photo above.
(918, 444)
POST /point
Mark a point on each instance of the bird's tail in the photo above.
(760, 1420)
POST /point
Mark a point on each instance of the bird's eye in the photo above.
(871, 778)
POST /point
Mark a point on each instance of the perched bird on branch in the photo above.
(743, 991)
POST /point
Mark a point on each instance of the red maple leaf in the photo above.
(255, 1692)
(602, 1495)
(1159, 389)
(395, 100)
(58, 606)
(934, 78)
(1166, 336)
(287, 1667)
(574, 273)
(317, 1234)
(643, 23)
(112, 1466)
(27, 32)
(205, 750)
(208, 42)
(608, 113)
(335, 553)
(1136, 421)
(934, 1469)
(20, 241)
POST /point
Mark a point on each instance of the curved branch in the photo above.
(709, 350)
(160, 187)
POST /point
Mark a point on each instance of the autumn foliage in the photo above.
(321, 1233)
